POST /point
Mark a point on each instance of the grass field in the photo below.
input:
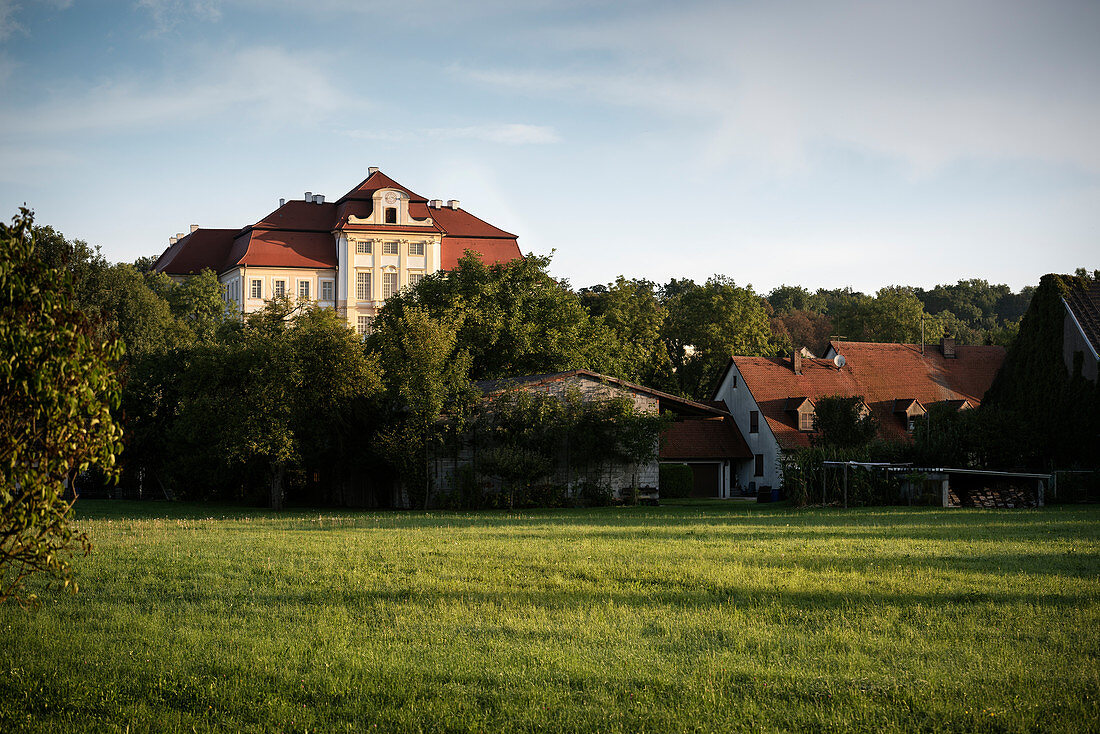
(699, 617)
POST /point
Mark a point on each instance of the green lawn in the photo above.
(697, 617)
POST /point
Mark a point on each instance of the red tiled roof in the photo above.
(457, 222)
(203, 248)
(491, 251)
(710, 438)
(265, 248)
(377, 180)
(301, 215)
(880, 373)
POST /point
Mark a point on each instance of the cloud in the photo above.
(167, 14)
(8, 23)
(264, 86)
(503, 134)
(927, 83)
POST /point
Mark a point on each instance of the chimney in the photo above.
(179, 235)
(318, 198)
(282, 201)
(309, 196)
(947, 346)
(796, 361)
(436, 203)
(452, 204)
(172, 240)
(194, 227)
(371, 171)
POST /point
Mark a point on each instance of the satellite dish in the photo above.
(839, 361)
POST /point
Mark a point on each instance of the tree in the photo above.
(198, 302)
(511, 319)
(895, 314)
(796, 329)
(632, 312)
(786, 298)
(426, 374)
(57, 388)
(708, 324)
(336, 402)
(843, 422)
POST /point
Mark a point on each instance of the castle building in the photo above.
(351, 254)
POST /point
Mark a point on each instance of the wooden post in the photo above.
(845, 485)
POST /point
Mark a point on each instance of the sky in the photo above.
(824, 144)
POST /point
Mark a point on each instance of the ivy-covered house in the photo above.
(1047, 395)
(579, 429)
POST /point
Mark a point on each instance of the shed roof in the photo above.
(703, 438)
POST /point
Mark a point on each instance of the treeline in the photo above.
(290, 402)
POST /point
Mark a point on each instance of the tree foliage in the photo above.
(843, 422)
(708, 324)
(512, 318)
(57, 389)
(425, 377)
(568, 441)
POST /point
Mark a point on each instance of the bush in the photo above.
(676, 481)
(57, 389)
(594, 494)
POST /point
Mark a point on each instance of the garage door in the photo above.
(706, 480)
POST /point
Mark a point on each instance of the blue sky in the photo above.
(826, 144)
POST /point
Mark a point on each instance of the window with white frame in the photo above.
(257, 288)
(303, 290)
(415, 278)
(389, 284)
(416, 248)
(363, 327)
(363, 247)
(279, 288)
(389, 247)
(362, 285)
(327, 289)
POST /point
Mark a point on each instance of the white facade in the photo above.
(762, 442)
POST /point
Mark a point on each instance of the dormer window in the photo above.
(908, 410)
(391, 215)
(803, 409)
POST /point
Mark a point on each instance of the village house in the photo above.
(350, 254)
(702, 435)
(772, 399)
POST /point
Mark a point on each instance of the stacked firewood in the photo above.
(1003, 497)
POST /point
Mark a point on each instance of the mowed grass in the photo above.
(697, 617)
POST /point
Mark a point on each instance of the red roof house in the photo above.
(772, 399)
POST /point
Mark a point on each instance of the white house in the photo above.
(772, 399)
